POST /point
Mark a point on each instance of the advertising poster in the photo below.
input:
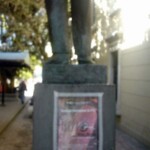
(78, 121)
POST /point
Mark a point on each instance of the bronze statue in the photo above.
(81, 12)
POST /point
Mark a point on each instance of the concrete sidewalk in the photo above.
(126, 142)
(8, 112)
(13, 107)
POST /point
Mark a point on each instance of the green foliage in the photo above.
(27, 21)
(100, 31)
(24, 73)
(27, 26)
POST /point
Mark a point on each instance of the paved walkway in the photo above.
(9, 111)
(13, 107)
(126, 142)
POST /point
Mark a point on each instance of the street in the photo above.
(18, 135)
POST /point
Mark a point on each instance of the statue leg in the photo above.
(81, 28)
(58, 30)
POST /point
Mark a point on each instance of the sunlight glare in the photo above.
(135, 21)
(48, 49)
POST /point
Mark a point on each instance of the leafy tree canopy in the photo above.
(25, 23)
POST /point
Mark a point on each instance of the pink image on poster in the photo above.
(78, 123)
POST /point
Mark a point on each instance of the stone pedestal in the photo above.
(74, 74)
(71, 79)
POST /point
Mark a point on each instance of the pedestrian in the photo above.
(22, 89)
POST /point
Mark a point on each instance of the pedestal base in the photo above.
(44, 137)
(74, 74)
